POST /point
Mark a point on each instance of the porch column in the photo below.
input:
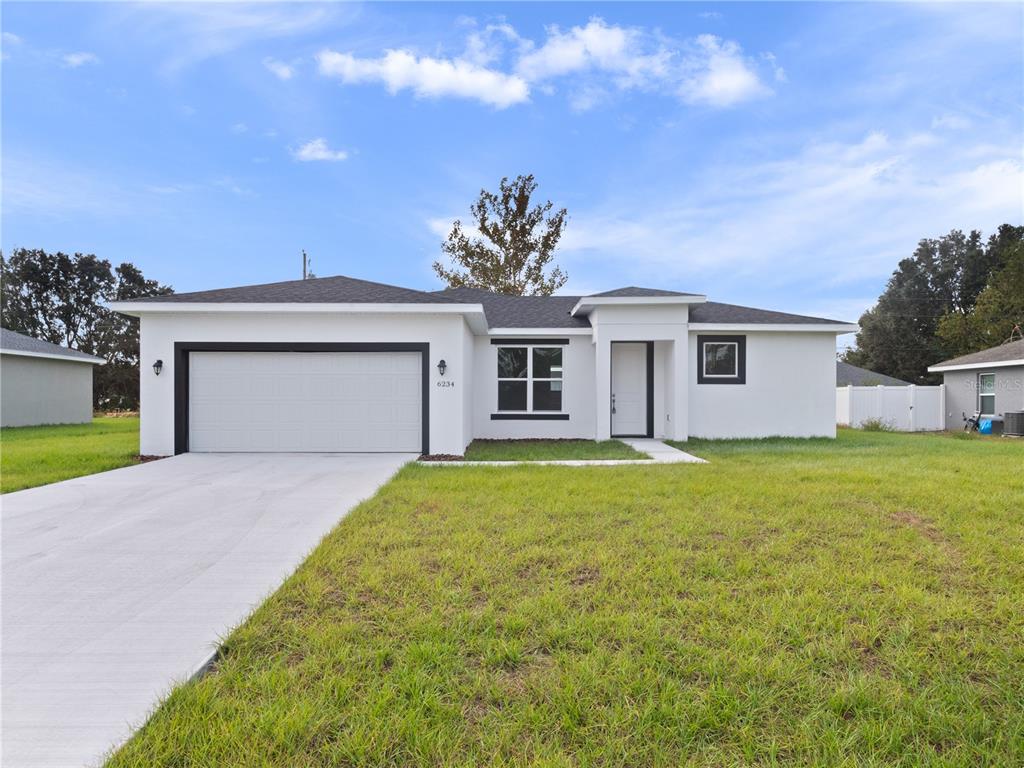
(677, 400)
(602, 386)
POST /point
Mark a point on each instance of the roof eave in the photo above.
(588, 303)
(836, 328)
(87, 359)
(942, 368)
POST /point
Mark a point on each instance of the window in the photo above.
(721, 359)
(987, 394)
(529, 379)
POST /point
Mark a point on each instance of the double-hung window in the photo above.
(987, 394)
(529, 379)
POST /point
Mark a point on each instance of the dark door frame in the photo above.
(649, 346)
(181, 378)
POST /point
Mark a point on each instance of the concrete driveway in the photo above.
(118, 585)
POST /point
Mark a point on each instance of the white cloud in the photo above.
(427, 77)
(501, 68)
(317, 150)
(79, 59)
(9, 38)
(281, 70)
(239, 128)
(720, 76)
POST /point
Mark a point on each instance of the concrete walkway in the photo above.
(660, 453)
(118, 585)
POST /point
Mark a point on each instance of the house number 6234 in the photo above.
(446, 383)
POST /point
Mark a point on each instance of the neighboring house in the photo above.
(851, 376)
(339, 364)
(43, 383)
(990, 381)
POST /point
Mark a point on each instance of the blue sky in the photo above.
(778, 155)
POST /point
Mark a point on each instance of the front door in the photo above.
(629, 389)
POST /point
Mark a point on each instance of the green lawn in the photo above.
(31, 456)
(549, 450)
(856, 602)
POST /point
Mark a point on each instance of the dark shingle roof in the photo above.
(326, 290)
(715, 312)
(847, 374)
(502, 311)
(637, 293)
(1010, 351)
(10, 341)
(521, 311)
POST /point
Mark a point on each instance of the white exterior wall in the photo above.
(666, 324)
(446, 335)
(790, 389)
(40, 390)
(577, 394)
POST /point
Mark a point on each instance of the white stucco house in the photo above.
(43, 383)
(340, 364)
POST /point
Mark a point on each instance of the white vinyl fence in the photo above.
(906, 408)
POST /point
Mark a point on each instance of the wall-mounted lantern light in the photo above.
(158, 366)
(442, 367)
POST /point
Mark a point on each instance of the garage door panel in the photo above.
(305, 401)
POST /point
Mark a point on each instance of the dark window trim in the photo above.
(741, 359)
(518, 342)
(649, 345)
(511, 416)
(181, 378)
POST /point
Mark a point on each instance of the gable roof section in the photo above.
(317, 290)
(13, 343)
(632, 292)
(1010, 353)
(716, 312)
(505, 311)
(847, 374)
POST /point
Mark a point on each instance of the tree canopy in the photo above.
(515, 246)
(930, 309)
(60, 298)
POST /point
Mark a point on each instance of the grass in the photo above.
(31, 456)
(794, 602)
(550, 450)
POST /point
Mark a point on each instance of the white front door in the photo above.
(305, 402)
(629, 389)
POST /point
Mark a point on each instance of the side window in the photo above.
(529, 379)
(721, 359)
(987, 394)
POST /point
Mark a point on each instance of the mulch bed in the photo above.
(441, 457)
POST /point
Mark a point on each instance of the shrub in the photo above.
(877, 425)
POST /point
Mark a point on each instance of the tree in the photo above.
(998, 309)
(944, 277)
(60, 298)
(515, 246)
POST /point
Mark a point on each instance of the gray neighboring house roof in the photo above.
(1009, 353)
(847, 374)
(502, 311)
(14, 343)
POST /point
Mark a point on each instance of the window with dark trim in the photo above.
(721, 359)
(529, 379)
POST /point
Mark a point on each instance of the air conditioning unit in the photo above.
(1013, 423)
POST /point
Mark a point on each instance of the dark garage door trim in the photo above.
(182, 348)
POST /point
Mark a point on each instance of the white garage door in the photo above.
(305, 401)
